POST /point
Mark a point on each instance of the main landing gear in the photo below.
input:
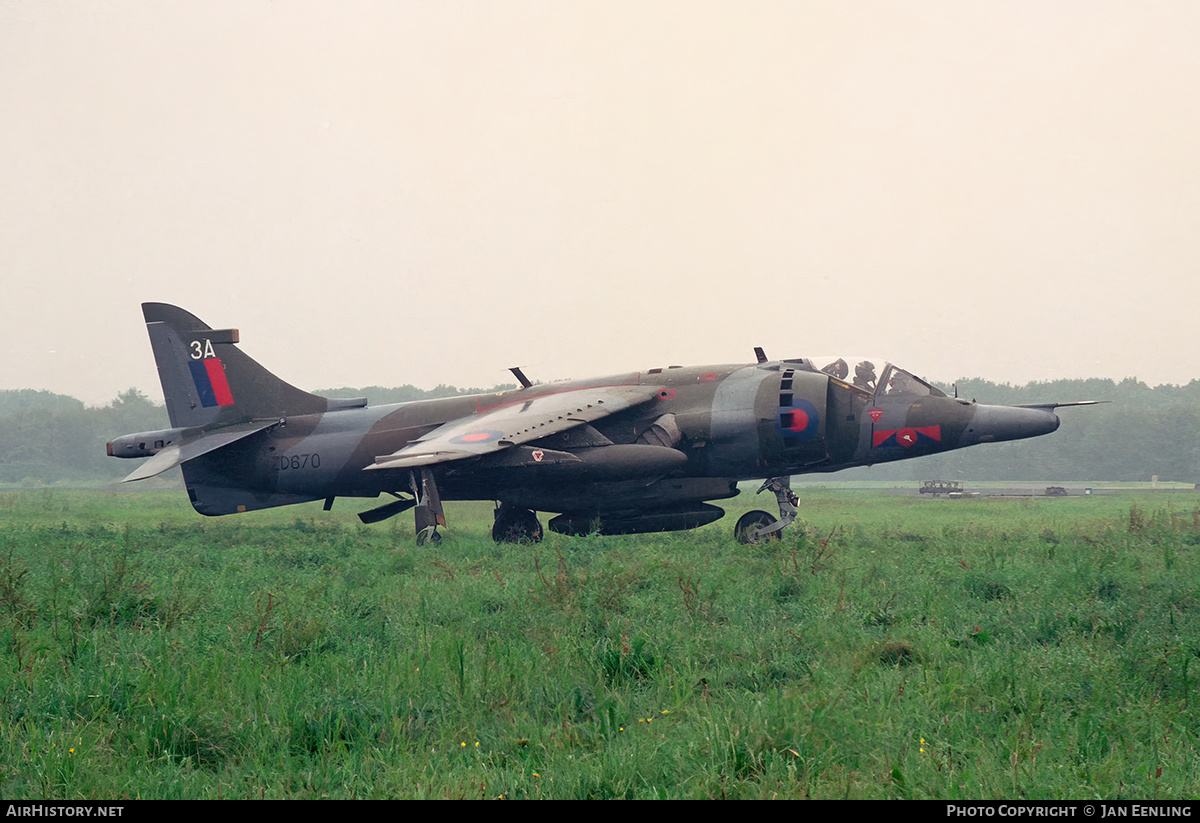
(516, 525)
(425, 502)
(759, 526)
(428, 512)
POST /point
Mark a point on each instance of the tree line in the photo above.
(1141, 432)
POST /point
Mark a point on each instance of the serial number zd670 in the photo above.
(283, 462)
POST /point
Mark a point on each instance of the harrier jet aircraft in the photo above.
(636, 452)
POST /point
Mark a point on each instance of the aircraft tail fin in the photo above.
(206, 379)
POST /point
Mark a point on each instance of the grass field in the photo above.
(895, 647)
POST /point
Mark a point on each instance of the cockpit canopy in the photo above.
(871, 377)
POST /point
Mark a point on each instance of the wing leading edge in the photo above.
(515, 423)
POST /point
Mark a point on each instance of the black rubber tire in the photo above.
(754, 520)
(517, 526)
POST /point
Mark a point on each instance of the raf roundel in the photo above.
(798, 421)
(476, 437)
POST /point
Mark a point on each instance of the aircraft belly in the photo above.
(231, 481)
(603, 496)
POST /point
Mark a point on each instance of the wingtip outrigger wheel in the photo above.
(428, 514)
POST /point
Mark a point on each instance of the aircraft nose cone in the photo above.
(992, 424)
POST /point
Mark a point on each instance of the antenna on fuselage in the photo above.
(521, 378)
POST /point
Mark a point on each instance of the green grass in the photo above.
(895, 647)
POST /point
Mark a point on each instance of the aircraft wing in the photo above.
(515, 423)
(174, 455)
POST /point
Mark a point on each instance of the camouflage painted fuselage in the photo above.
(652, 444)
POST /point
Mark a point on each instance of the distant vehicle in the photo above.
(636, 452)
(941, 487)
(1056, 491)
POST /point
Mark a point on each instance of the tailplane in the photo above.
(206, 379)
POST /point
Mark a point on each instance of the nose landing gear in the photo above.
(759, 526)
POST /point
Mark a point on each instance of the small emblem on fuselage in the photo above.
(484, 436)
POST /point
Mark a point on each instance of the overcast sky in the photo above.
(430, 192)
